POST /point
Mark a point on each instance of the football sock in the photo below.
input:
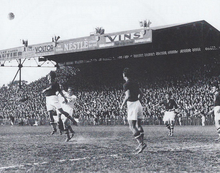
(67, 134)
(142, 135)
(171, 128)
(71, 130)
(71, 118)
(168, 126)
(51, 117)
(60, 125)
(218, 131)
(138, 137)
(53, 125)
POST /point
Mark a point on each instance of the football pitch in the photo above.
(109, 149)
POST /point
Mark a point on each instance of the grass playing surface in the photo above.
(108, 149)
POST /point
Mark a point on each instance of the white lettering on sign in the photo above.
(76, 45)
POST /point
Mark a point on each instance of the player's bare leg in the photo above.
(133, 128)
(142, 145)
(68, 129)
(137, 135)
(167, 123)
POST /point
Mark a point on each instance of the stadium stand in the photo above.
(99, 88)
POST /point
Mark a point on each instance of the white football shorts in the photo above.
(169, 116)
(217, 116)
(135, 110)
(52, 103)
(67, 109)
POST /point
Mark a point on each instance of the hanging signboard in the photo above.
(10, 54)
(97, 41)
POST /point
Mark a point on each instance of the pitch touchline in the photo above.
(63, 160)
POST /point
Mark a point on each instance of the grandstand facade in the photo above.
(170, 47)
(184, 40)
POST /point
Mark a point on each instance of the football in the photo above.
(11, 16)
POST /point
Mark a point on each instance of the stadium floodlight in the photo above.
(55, 40)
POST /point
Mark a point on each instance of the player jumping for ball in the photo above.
(133, 96)
(52, 101)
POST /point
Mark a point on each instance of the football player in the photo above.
(135, 116)
(68, 107)
(215, 91)
(52, 102)
(169, 114)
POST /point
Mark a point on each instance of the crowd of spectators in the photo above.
(99, 91)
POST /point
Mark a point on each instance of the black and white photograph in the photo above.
(109, 86)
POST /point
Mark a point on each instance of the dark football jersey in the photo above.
(133, 88)
(171, 104)
(217, 99)
(54, 87)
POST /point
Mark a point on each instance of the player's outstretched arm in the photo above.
(46, 89)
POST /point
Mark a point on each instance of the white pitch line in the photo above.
(8, 167)
(112, 155)
(199, 146)
(77, 159)
(60, 161)
(213, 146)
